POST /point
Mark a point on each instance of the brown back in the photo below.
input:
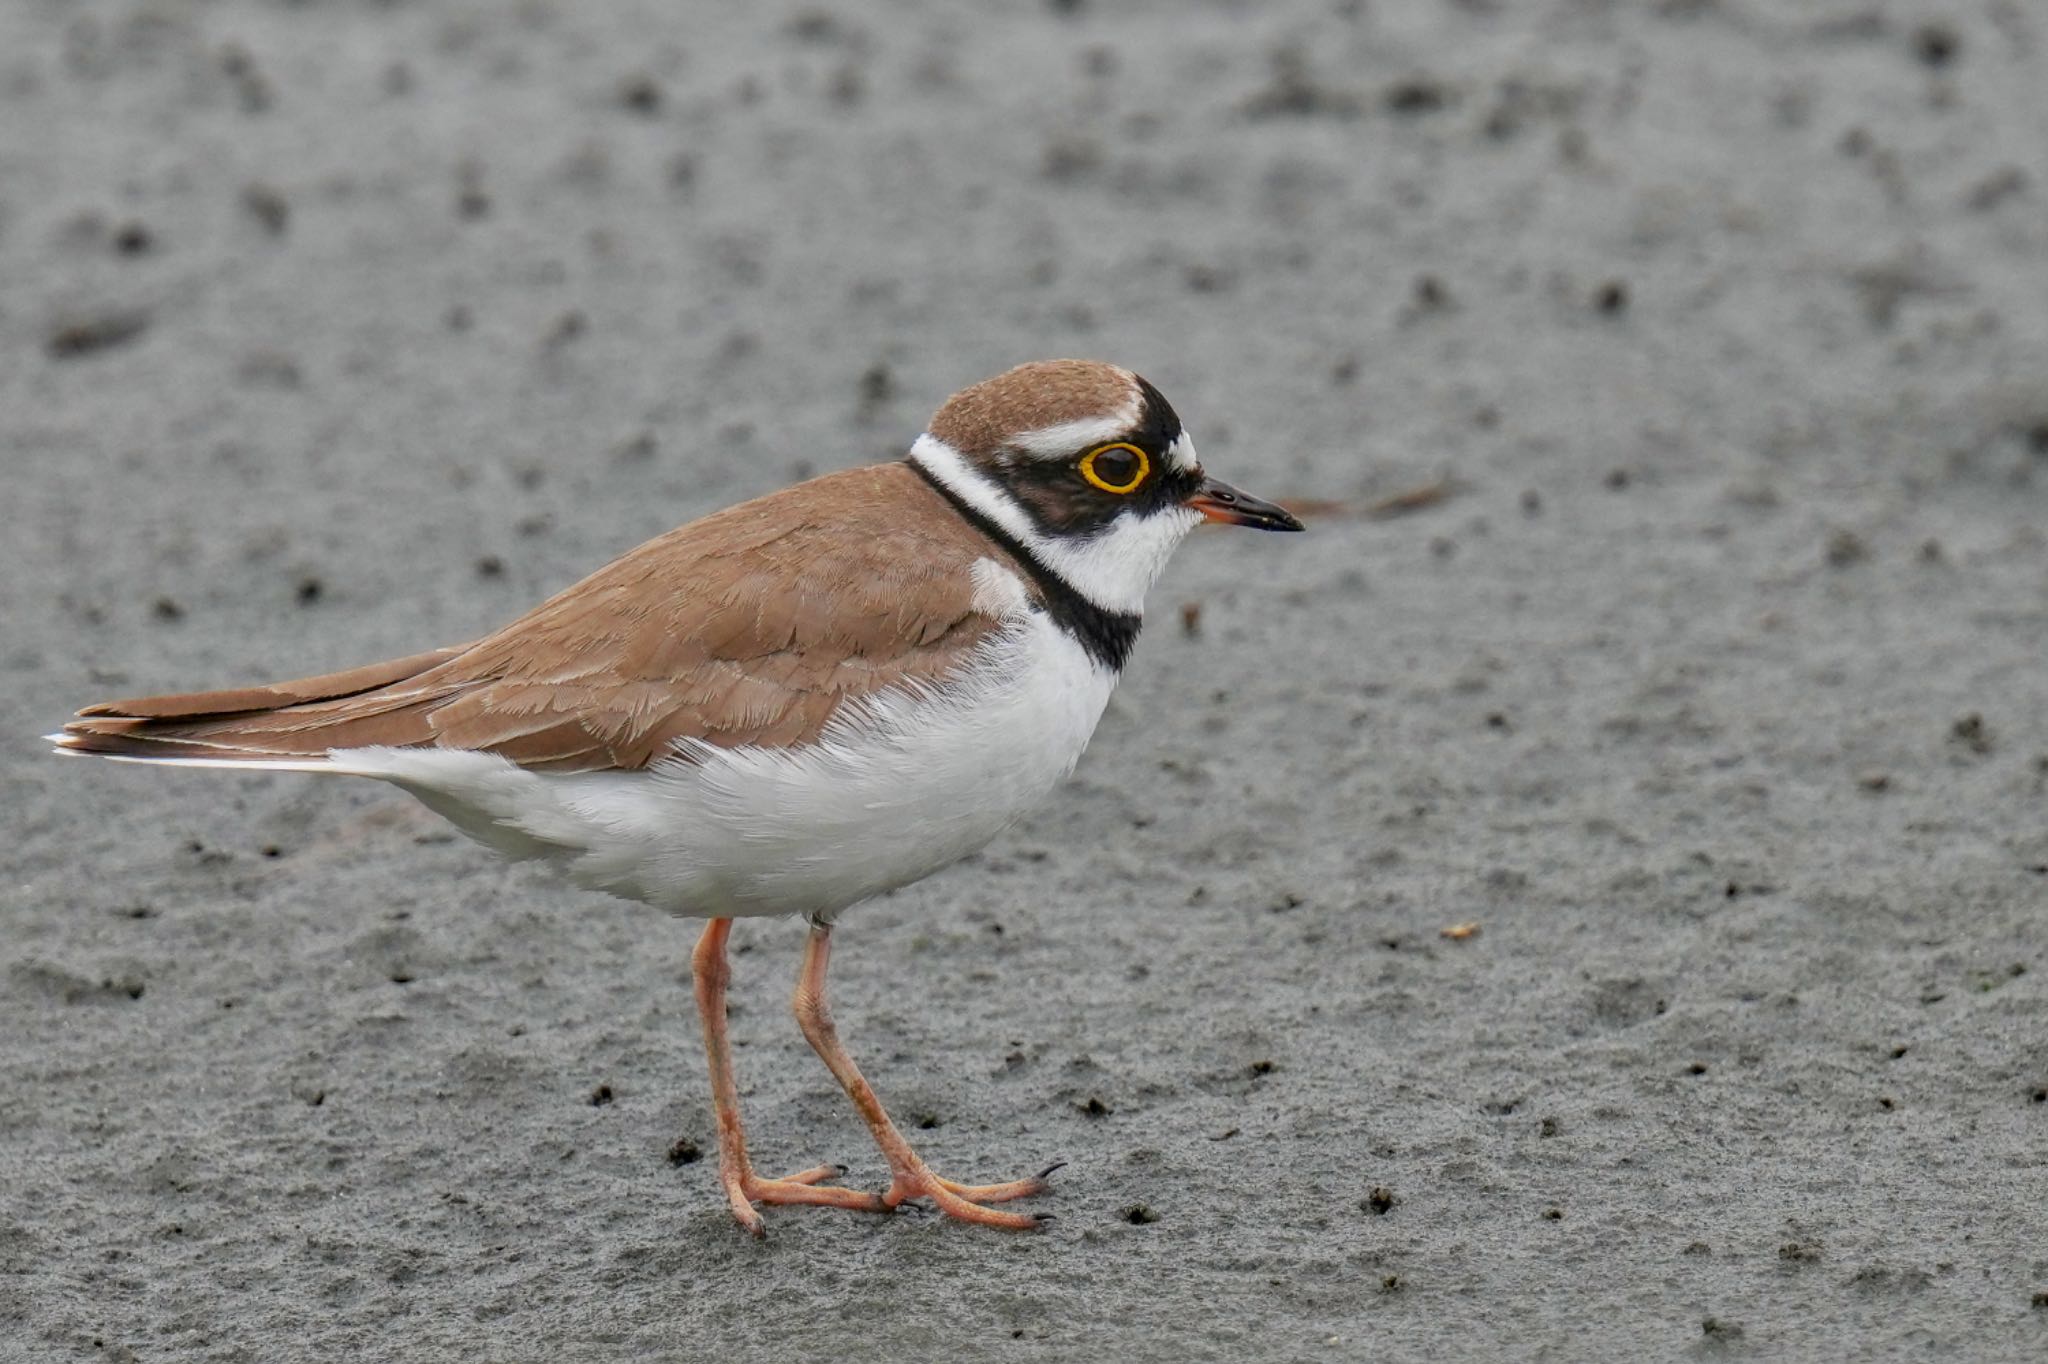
(749, 626)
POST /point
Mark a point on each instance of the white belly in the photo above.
(887, 795)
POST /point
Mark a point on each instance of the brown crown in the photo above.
(980, 421)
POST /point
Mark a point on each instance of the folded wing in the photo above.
(750, 626)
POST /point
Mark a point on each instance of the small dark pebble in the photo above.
(490, 566)
(1095, 1108)
(1616, 479)
(1138, 1215)
(1260, 1067)
(251, 89)
(268, 206)
(1720, 1330)
(1798, 1252)
(637, 448)
(1418, 95)
(2041, 1298)
(641, 94)
(167, 608)
(1611, 297)
(1553, 1214)
(1191, 618)
(402, 977)
(567, 328)
(684, 1152)
(272, 850)
(86, 335)
(600, 1096)
(877, 385)
(1936, 45)
(133, 239)
(1970, 731)
(1070, 158)
(1392, 1283)
(1995, 188)
(927, 1121)
(1379, 1202)
(848, 87)
(309, 590)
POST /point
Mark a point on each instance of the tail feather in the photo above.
(285, 724)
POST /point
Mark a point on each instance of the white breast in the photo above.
(897, 787)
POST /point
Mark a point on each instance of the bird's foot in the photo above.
(744, 1188)
(964, 1201)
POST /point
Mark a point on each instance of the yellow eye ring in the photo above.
(1129, 485)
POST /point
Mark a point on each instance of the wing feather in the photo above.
(750, 626)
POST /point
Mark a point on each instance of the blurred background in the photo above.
(1665, 385)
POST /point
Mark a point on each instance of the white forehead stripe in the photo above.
(1071, 438)
(1181, 454)
(1113, 568)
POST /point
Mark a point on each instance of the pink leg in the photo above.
(910, 1177)
(743, 1187)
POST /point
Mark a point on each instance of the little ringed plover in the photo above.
(785, 707)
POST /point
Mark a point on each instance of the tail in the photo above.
(288, 726)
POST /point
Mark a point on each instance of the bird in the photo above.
(783, 708)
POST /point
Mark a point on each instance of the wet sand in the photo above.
(1706, 678)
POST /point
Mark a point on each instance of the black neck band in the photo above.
(1107, 636)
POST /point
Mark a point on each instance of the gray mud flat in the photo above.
(1711, 687)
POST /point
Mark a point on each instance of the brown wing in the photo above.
(750, 626)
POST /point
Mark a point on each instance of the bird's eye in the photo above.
(1118, 468)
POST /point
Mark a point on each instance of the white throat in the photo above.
(1112, 568)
